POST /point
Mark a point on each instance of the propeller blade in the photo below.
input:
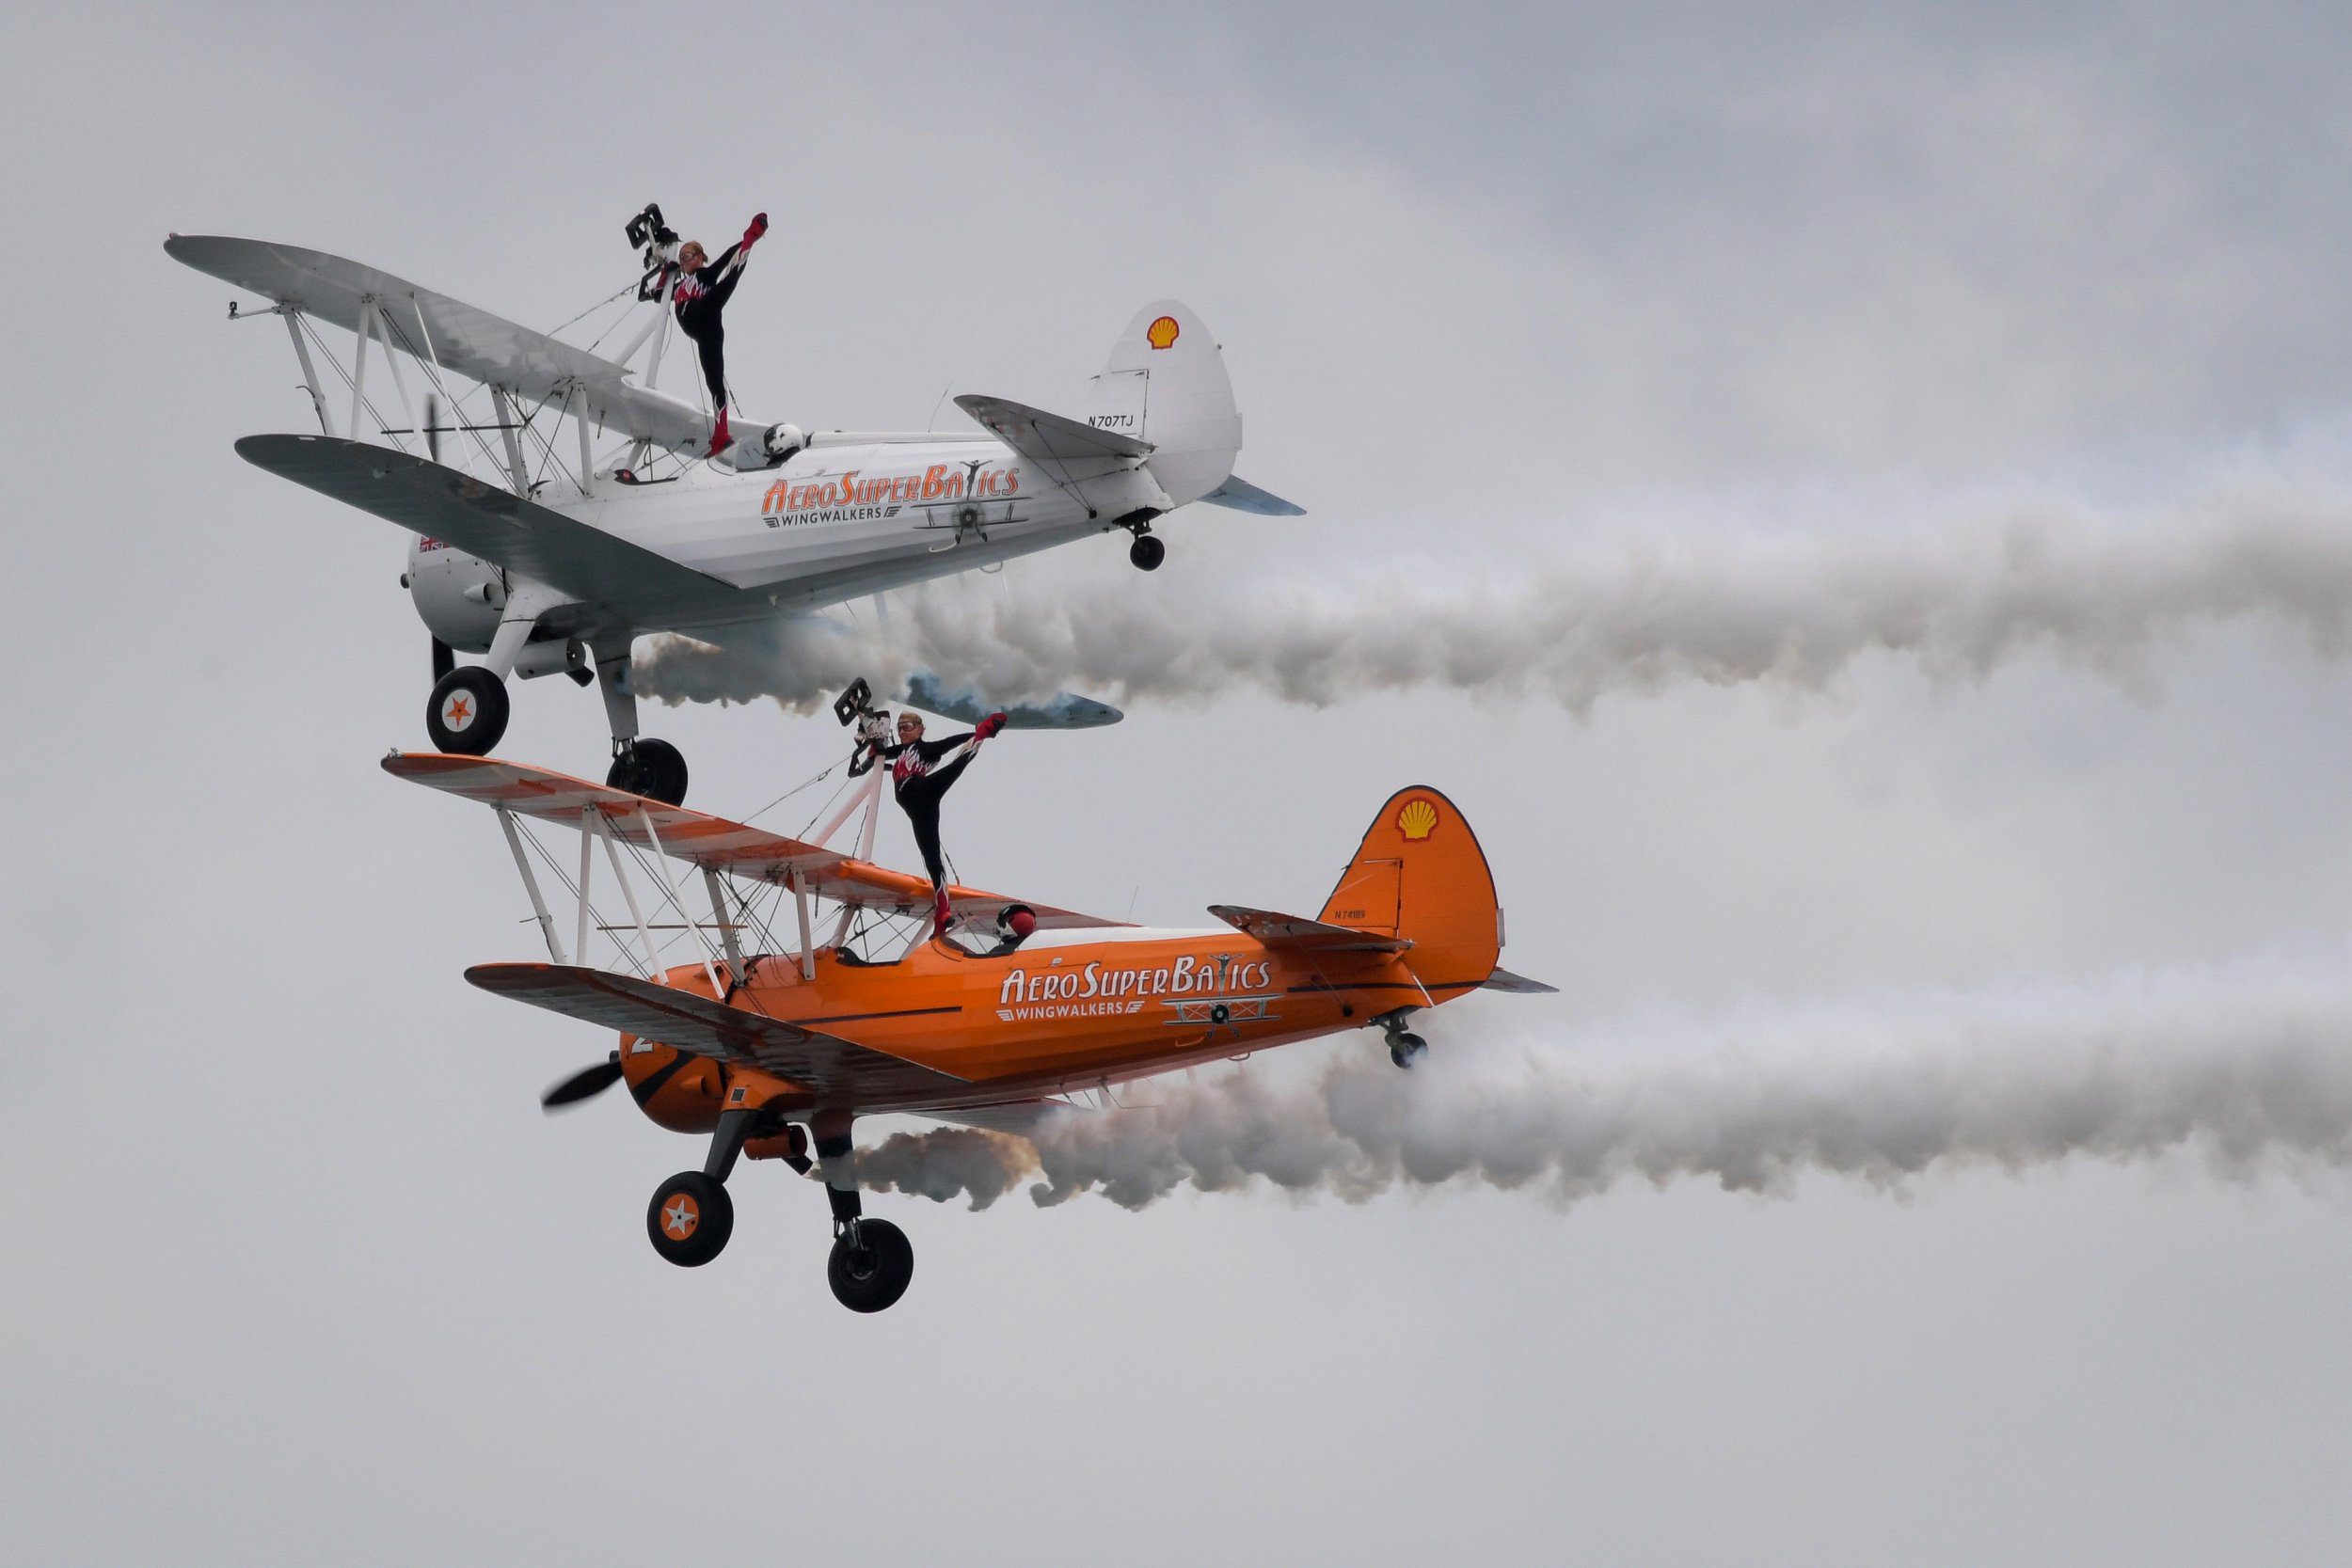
(433, 426)
(580, 1086)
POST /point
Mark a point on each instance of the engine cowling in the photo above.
(458, 596)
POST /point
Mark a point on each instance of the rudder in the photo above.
(1164, 383)
(1420, 875)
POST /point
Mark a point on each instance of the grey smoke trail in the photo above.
(1578, 622)
(2250, 1065)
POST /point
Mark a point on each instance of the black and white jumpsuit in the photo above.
(922, 771)
(699, 297)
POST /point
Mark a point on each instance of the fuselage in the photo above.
(1052, 1017)
(834, 522)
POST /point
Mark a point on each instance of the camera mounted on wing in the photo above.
(647, 233)
(855, 706)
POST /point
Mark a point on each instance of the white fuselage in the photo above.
(834, 522)
(840, 519)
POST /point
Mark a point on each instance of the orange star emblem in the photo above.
(457, 712)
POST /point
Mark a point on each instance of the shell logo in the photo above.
(1161, 333)
(1416, 820)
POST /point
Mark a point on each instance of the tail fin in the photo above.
(1419, 874)
(1165, 384)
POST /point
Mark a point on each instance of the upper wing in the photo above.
(447, 332)
(834, 1067)
(1033, 433)
(485, 520)
(700, 839)
(1299, 933)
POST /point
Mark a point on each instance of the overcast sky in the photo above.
(294, 1270)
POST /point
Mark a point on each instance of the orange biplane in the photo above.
(771, 1048)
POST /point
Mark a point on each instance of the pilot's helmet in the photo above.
(1019, 922)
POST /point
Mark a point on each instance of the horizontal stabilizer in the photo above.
(836, 1068)
(1300, 934)
(1048, 437)
(1518, 985)
(1241, 496)
(1064, 710)
(500, 526)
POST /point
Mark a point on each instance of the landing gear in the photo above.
(689, 1219)
(1405, 1046)
(691, 1215)
(643, 766)
(1147, 552)
(873, 1260)
(467, 712)
(871, 1264)
(652, 768)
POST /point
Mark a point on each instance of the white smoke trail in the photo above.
(2250, 1065)
(1580, 623)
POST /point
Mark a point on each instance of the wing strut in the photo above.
(310, 372)
(530, 885)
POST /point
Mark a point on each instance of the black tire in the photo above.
(1147, 552)
(692, 1203)
(654, 768)
(876, 1276)
(467, 712)
(1404, 1049)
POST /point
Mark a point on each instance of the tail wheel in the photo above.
(873, 1273)
(467, 712)
(1406, 1048)
(689, 1219)
(1147, 552)
(654, 768)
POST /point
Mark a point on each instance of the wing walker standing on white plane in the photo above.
(545, 556)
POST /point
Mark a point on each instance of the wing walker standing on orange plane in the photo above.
(773, 1043)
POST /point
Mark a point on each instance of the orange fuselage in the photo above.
(1042, 1019)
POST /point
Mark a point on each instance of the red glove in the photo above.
(759, 227)
(989, 725)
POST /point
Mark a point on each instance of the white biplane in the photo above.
(548, 560)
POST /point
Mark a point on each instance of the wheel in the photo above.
(467, 712)
(654, 768)
(1147, 552)
(1404, 1049)
(689, 1219)
(875, 1274)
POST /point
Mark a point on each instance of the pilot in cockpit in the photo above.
(1015, 924)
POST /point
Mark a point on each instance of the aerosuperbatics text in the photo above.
(1102, 991)
(853, 500)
